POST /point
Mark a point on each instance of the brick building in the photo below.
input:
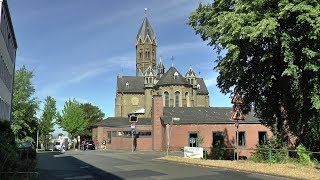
(211, 124)
(158, 97)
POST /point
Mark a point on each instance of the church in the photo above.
(134, 93)
(172, 110)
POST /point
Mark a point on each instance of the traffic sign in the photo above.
(237, 115)
(237, 98)
(133, 125)
(133, 131)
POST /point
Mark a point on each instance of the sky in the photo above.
(76, 48)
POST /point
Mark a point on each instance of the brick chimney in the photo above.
(158, 129)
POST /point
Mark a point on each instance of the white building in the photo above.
(8, 47)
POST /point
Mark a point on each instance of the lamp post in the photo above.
(170, 132)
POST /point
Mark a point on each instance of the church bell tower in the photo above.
(146, 48)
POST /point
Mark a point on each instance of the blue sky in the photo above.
(76, 48)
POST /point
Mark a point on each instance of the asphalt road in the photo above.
(127, 165)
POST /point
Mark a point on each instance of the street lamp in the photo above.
(170, 132)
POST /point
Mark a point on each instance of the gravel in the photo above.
(287, 170)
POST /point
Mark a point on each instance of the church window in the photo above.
(140, 54)
(127, 85)
(177, 99)
(187, 100)
(175, 75)
(191, 81)
(166, 99)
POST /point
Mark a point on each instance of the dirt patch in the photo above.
(287, 170)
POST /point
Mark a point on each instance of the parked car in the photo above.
(57, 146)
(27, 150)
(90, 145)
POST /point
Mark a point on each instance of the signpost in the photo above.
(237, 115)
(133, 119)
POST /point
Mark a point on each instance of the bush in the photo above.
(10, 157)
(263, 153)
(304, 157)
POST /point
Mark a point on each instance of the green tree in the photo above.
(270, 50)
(72, 118)
(47, 120)
(93, 115)
(24, 106)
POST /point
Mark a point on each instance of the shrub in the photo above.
(304, 157)
(262, 154)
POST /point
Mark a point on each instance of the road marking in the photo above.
(83, 167)
(80, 177)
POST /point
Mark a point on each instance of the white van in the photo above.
(57, 146)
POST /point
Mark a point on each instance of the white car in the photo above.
(57, 146)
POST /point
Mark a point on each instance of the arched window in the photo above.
(166, 99)
(187, 100)
(140, 53)
(177, 99)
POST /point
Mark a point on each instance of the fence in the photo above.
(269, 152)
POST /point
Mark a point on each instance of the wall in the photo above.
(180, 134)
(127, 103)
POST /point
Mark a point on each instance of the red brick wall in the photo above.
(180, 135)
(125, 143)
(158, 129)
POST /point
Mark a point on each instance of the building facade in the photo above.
(8, 48)
(197, 127)
(134, 93)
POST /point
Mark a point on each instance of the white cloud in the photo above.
(210, 82)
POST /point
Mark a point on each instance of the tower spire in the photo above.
(171, 61)
(145, 12)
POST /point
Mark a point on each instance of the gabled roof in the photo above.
(145, 30)
(135, 84)
(202, 90)
(203, 115)
(190, 73)
(149, 72)
(169, 79)
(121, 122)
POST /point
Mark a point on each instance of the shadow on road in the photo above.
(55, 165)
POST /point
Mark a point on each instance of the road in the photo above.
(127, 165)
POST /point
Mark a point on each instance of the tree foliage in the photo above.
(24, 106)
(93, 115)
(72, 118)
(47, 119)
(270, 50)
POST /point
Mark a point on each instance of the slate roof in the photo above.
(136, 84)
(203, 88)
(121, 122)
(168, 78)
(204, 115)
(145, 30)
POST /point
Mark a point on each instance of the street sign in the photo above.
(237, 98)
(237, 115)
(133, 125)
(133, 131)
